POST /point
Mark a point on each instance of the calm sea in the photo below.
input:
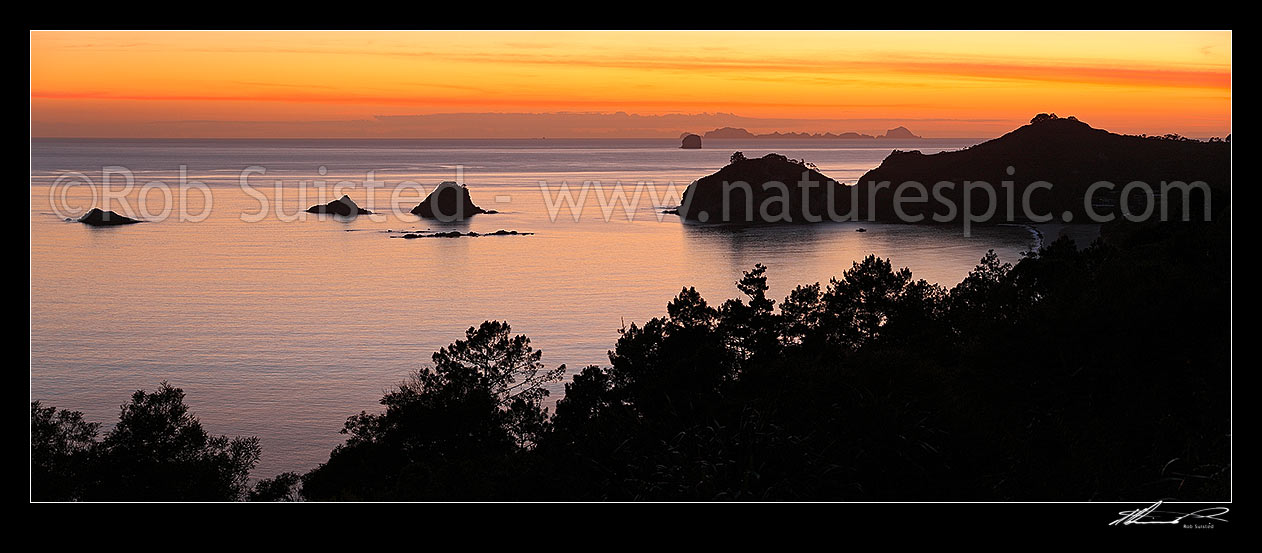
(281, 326)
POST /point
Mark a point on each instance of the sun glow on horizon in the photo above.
(351, 84)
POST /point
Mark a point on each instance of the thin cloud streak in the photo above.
(333, 98)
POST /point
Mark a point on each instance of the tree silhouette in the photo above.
(885, 387)
(752, 327)
(286, 486)
(448, 432)
(61, 453)
(159, 451)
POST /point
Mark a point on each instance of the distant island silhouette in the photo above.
(343, 206)
(458, 234)
(703, 200)
(899, 132)
(98, 218)
(448, 202)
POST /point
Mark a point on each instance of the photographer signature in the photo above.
(1150, 515)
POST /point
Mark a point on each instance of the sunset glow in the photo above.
(863, 270)
(339, 84)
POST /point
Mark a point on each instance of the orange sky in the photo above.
(336, 84)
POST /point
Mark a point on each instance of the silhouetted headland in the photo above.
(703, 200)
(98, 218)
(343, 206)
(1049, 165)
(1066, 152)
(448, 202)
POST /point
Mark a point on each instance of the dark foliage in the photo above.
(158, 451)
(453, 431)
(1078, 374)
(61, 452)
(286, 486)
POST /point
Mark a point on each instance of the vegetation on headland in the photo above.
(1099, 374)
